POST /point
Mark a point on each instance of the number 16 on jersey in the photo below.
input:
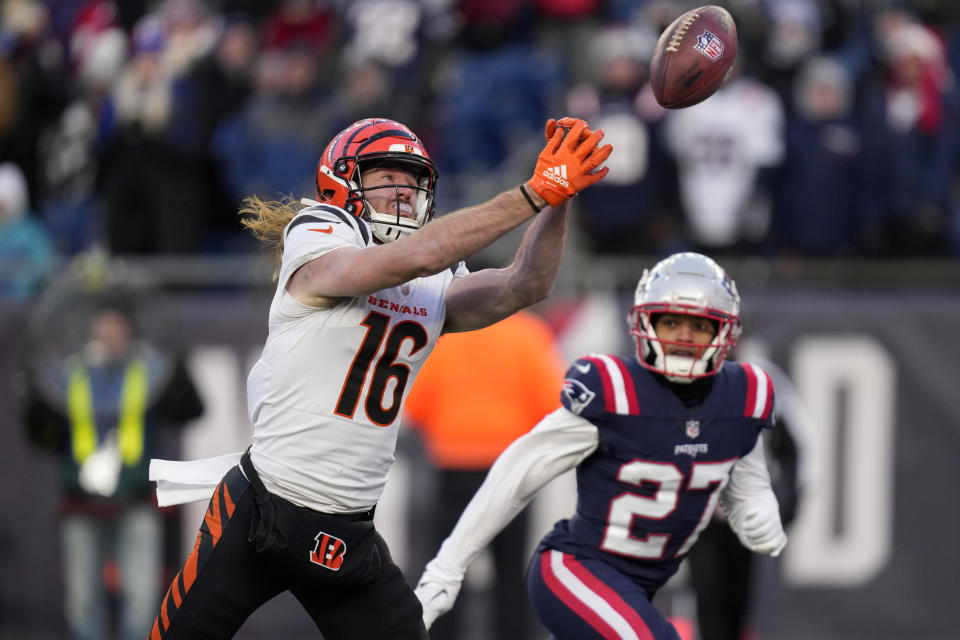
(380, 409)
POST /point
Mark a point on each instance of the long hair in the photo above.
(267, 220)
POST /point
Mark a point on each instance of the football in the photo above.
(693, 57)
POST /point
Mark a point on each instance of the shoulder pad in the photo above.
(758, 400)
(325, 214)
(597, 384)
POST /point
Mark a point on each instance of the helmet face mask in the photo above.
(685, 284)
(369, 144)
(388, 225)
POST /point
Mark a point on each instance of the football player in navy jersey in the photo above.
(659, 441)
(366, 283)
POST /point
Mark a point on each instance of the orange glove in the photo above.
(566, 123)
(568, 163)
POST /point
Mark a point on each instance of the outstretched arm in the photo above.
(458, 235)
(488, 296)
(752, 508)
(558, 443)
(443, 242)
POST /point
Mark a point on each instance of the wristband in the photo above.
(530, 200)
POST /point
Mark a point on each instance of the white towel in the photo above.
(180, 481)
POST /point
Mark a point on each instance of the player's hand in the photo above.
(567, 123)
(437, 590)
(436, 598)
(569, 162)
(762, 533)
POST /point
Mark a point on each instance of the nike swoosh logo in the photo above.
(582, 368)
(324, 230)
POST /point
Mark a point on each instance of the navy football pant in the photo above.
(584, 599)
(338, 568)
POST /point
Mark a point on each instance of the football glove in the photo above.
(569, 162)
(567, 123)
(761, 533)
(437, 590)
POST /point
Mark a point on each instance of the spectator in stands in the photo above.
(726, 148)
(497, 93)
(477, 393)
(270, 148)
(215, 90)
(632, 211)
(915, 138)
(153, 152)
(567, 28)
(98, 51)
(367, 87)
(822, 203)
(388, 38)
(303, 23)
(793, 34)
(103, 412)
(33, 88)
(26, 250)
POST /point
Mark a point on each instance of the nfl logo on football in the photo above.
(709, 45)
(693, 428)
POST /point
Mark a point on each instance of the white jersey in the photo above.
(325, 396)
(720, 144)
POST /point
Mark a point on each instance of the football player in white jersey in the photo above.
(365, 288)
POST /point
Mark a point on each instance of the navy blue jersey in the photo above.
(653, 483)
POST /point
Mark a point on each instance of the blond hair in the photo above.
(267, 219)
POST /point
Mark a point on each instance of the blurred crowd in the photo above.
(135, 127)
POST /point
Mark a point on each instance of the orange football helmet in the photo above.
(367, 144)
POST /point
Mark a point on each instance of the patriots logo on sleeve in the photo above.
(577, 394)
(599, 384)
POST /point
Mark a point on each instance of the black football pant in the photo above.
(337, 567)
(721, 570)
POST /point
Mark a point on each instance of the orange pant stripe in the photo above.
(228, 501)
(212, 519)
(219, 512)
